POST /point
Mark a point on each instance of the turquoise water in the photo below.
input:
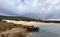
(49, 30)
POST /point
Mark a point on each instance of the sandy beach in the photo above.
(25, 22)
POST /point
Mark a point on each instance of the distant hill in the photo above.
(18, 18)
(27, 19)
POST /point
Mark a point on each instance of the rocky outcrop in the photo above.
(31, 28)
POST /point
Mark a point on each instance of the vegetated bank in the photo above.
(15, 30)
(12, 30)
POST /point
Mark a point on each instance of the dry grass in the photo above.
(15, 32)
(8, 26)
(12, 30)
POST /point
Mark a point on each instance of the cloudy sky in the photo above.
(39, 9)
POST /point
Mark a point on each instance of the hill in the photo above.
(18, 18)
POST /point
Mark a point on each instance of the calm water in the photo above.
(49, 30)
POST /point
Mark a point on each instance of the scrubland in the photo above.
(12, 30)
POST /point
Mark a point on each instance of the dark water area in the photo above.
(49, 30)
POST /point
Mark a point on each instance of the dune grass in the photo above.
(12, 30)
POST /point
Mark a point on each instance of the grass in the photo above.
(12, 30)
(15, 32)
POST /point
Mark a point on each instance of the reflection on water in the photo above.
(52, 30)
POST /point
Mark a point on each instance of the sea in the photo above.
(47, 30)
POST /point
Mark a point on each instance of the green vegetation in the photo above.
(26, 19)
(18, 19)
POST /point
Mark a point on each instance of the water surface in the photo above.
(48, 30)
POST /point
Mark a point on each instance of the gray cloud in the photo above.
(39, 9)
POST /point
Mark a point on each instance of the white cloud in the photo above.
(31, 8)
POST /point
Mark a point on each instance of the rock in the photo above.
(33, 29)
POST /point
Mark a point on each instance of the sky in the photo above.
(37, 9)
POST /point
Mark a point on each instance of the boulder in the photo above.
(33, 29)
